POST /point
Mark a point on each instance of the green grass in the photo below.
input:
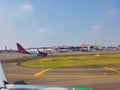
(74, 61)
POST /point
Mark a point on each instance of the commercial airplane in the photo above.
(5, 86)
(30, 51)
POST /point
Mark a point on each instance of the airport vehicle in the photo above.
(30, 50)
(5, 86)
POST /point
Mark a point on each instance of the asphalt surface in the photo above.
(104, 78)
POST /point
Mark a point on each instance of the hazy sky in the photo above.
(35, 23)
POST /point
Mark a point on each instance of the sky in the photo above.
(38, 23)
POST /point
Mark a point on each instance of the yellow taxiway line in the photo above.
(63, 75)
(19, 74)
(43, 71)
(40, 73)
(112, 69)
(37, 74)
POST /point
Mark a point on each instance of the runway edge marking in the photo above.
(112, 69)
(42, 72)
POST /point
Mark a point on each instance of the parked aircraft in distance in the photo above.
(5, 86)
(30, 50)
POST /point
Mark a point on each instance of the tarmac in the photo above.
(104, 78)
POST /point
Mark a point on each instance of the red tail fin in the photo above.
(21, 49)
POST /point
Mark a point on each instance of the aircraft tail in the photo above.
(21, 49)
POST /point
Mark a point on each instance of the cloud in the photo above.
(111, 12)
(27, 7)
(24, 10)
(97, 27)
(42, 30)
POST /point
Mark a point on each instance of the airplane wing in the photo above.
(37, 87)
(2, 75)
(3, 79)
